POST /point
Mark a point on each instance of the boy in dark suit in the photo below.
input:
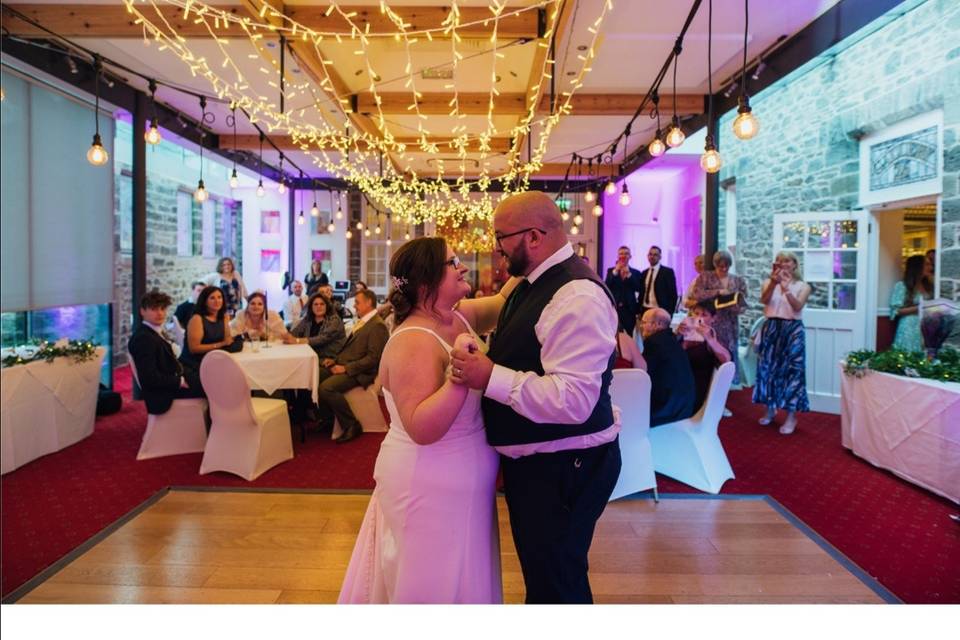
(355, 366)
(161, 376)
(658, 285)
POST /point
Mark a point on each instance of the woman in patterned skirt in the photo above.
(781, 365)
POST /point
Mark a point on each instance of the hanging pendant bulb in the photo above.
(301, 218)
(331, 228)
(656, 147)
(589, 196)
(597, 210)
(152, 135)
(314, 210)
(366, 233)
(96, 154)
(611, 188)
(281, 188)
(574, 230)
(406, 236)
(746, 125)
(339, 212)
(260, 190)
(389, 242)
(200, 195)
(710, 161)
(578, 219)
(624, 195)
(359, 226)
(675, 135)
(348, 234)
(564, 215)
(378, 230)
(234, 180)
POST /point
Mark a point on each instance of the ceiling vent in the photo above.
(437, 73)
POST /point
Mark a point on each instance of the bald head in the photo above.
(654, 320)
(530, 228)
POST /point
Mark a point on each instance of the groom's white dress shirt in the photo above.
(577, 332)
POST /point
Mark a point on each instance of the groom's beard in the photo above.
(518, 263)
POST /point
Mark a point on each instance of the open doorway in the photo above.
(901, 233)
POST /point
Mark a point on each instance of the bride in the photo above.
(430, 531)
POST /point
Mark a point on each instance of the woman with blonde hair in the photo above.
(258, 323)
(781, 366)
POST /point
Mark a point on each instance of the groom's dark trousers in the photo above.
(554, 500)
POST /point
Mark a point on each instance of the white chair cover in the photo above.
(180, 430)
(630, 392)
(248, 435)
(690, 450)
(365, 404)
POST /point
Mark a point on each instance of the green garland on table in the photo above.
(77, 350)
(912, 364)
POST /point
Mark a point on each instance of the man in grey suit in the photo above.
(355, 366)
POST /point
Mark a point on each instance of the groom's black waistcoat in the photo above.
(516, 346)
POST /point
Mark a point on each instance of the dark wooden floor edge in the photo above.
(869, 581)
(85, 546)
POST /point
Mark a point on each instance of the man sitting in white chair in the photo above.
(161, 376)
(672, 386)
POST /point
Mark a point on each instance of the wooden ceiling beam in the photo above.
(513, 104)
(285, 143)
(625, 104)
(113, 21)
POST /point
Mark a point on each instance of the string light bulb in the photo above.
(152, 135)
(300, 218)
(745, 125)
(589, 196)
(339, 212)
(389, 242)
(331, 228)
(359, 226)
(611, 188)
(710, 161)
(574, 230)
(348, 234)
(201, 195)
(281, 188)
(234, 180)
(314, 210)
(675, 135)
(366, 233)
(378, 230)
(578, 219)
(406, 236)
(624, 195)
(260, 190)
(96, 154)
(597, 210)
(656, 147)
(564, 215)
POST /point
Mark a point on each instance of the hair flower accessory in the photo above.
(398, 282)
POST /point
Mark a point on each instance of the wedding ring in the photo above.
(457, 372)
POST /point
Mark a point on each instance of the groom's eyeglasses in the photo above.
(502, 237)
(453, 262)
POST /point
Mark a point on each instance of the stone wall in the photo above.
(806, 156)
(166, 271)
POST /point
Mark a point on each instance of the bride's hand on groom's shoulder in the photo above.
(470, 369)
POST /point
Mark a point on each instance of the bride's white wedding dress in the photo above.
(430, 531)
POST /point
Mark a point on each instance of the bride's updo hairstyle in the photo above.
(416, 271)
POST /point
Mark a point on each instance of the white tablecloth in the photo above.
(45, 407)
(281, 366)
(907, 425)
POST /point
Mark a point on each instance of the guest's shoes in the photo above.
(324, 424)
(768, 417)
(727, 413)
(350, 434)
(789, 426)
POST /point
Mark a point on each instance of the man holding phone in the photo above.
(625, 282)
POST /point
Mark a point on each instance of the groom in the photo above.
(546, 404)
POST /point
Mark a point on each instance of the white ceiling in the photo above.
(635, 40)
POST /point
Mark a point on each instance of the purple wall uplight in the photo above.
(666, 200)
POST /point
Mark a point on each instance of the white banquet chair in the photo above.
(180, 430)
(365, 404)
(248, 435)
(690, 450)
(630, 392)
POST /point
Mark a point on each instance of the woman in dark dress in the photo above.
(316, 278)
(208, 329)
(702, 347)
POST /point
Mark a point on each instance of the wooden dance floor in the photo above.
(254, 547)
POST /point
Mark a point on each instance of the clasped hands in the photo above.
(336, 369)
(470, 367)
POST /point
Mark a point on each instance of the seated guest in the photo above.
(321, 327)
(671, 379)
(256, 322)
(629, 355)
(350, 303)
(355, 366)
(161, 376)
(208, 329)
(295, 304)
(185, 309)
(688, 296)
(706, 354)
(327, 290)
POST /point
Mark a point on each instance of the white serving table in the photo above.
(45, 407)
(909, 426)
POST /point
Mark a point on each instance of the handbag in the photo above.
(728, 300)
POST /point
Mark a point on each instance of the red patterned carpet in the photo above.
(896, 532)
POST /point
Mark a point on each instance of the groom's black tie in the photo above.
(514, 301)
